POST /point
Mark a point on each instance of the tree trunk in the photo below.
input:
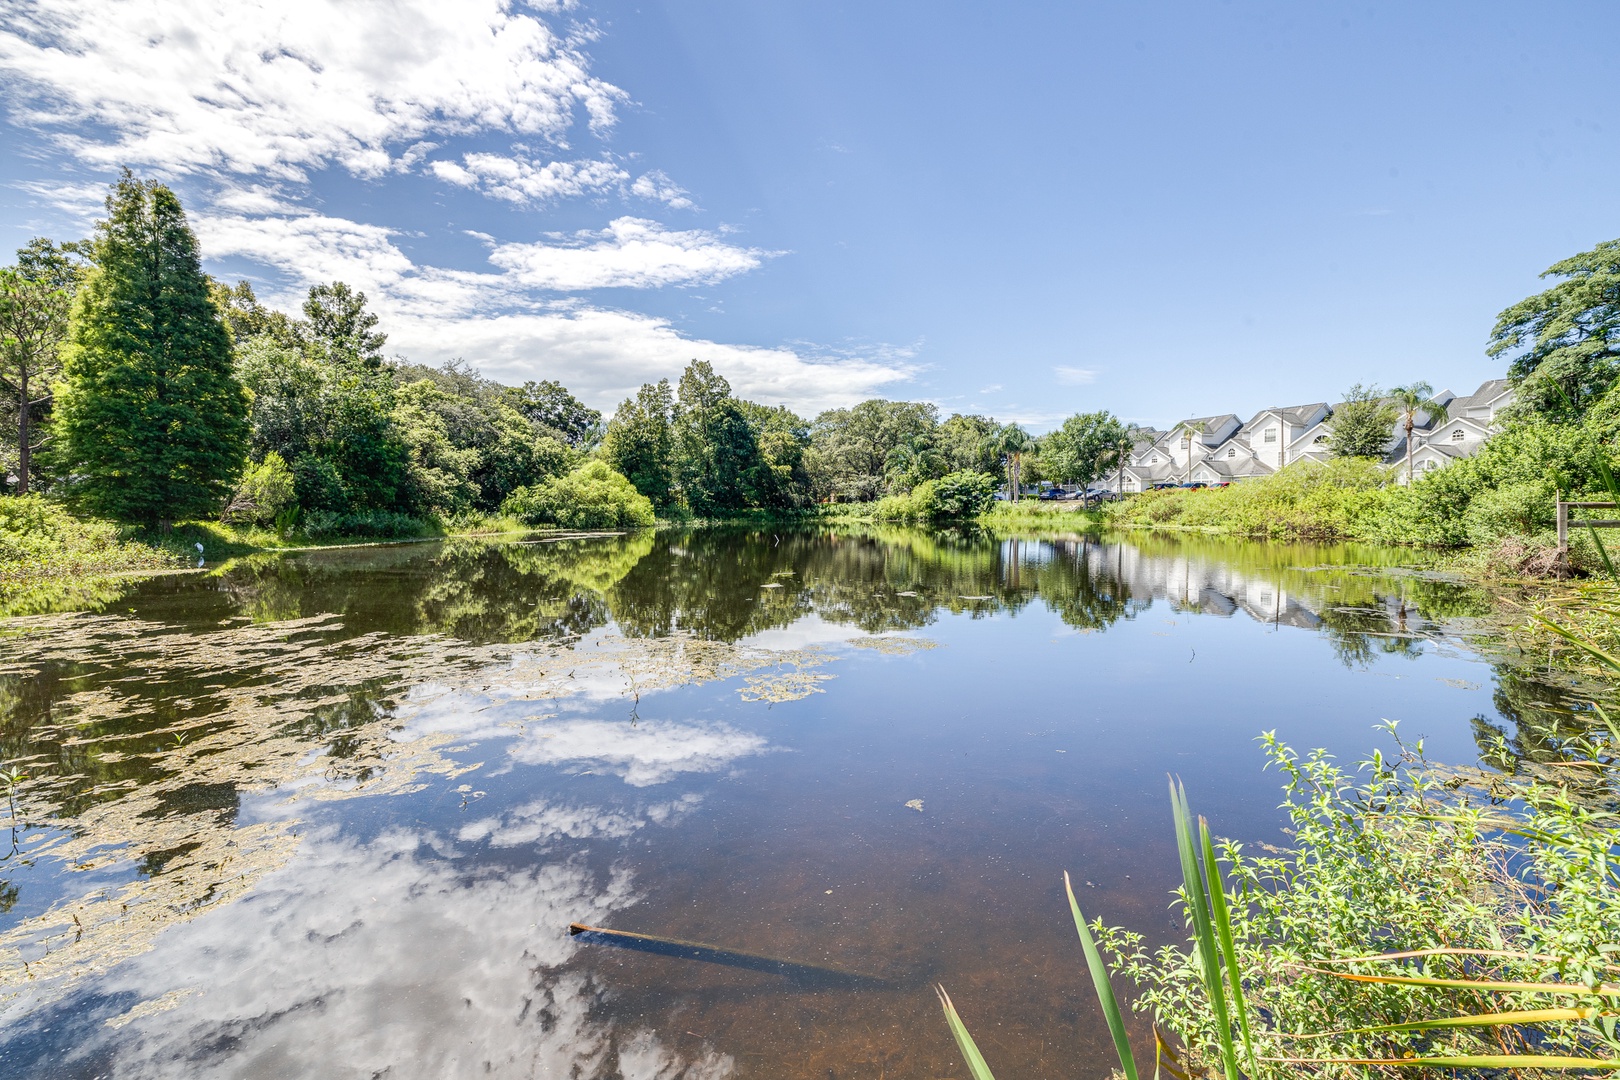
(1408, 449)
(22, 432)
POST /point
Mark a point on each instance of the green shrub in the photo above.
(39, 539)
(265, 492)
(593, 496)
(957, 495)
(1308, 500)
(366, 524)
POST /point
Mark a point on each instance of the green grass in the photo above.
(1342, 499)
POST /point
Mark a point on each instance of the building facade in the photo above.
(1221, 449)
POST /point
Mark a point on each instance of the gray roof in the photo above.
(1488, 390)
(1206, 424)
(1240, 467)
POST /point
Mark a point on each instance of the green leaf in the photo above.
(1105, 989)
(1198, 903)
(1223, 928)
(964, 1041)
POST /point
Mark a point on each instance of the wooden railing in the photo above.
(1563, 519)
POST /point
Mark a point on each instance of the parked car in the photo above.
(1050, 494)
(1100, 495)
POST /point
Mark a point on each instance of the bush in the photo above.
(367, 524)
(1309, 500)
(40, 539)
(593, 496)
(907, 507)
(957, 495)
(317, 485)
(265, 491)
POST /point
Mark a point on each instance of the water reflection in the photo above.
(330, 813)
(350, 962)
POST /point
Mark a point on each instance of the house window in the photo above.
(1232, 452)
(1457, 436)
(1320, 439)
(1428, 464)
(1154, 460)
(1271, 434)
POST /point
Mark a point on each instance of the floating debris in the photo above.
(915, 804)
(712, 954)
(293, 706)
(895, 646)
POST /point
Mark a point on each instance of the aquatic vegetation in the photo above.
(151, 771)
(1410, 926)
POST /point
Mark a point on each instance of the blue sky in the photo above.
(1022, 209)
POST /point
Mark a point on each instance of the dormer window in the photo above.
(1320, 439)
(1154, 460)
(1271, 434)
(1232, 452)
(1457, 436)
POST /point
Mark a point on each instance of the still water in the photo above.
(331, 813)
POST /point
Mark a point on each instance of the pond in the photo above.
(331, 813)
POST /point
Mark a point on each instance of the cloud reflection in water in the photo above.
(395, 957)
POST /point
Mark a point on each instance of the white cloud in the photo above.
(394, 956)
(603, 356)
(266, 88)
(247, 99)
(523, 181)
(652, 752)
(433, 315)
(543, 821)
(527, 182)
(1074, 376)
(660, 188)
(629, 253)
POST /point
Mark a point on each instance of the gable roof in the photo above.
(1298, 415)
(1490, 390)
(1207, 425)
(1238, 469)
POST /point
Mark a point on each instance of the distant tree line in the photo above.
(137, 388)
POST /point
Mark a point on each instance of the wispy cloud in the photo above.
(630, 252)
(524, 181)
(1074, 376)
(660, 188)
(254, 87)
(493, 320)
(242, 101)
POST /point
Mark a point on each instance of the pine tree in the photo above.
(152, 418)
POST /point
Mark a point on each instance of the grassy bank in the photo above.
(50, 558)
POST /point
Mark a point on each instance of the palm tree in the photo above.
(911, 462)
(1409, 401)
(1190, 430)
(1120, 452)
(1014, 442)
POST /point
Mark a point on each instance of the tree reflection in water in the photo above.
(163, 730)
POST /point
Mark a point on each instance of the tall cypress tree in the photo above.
(152, 419)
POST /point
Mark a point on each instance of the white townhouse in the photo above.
(1221, 449)
(1469, 422)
